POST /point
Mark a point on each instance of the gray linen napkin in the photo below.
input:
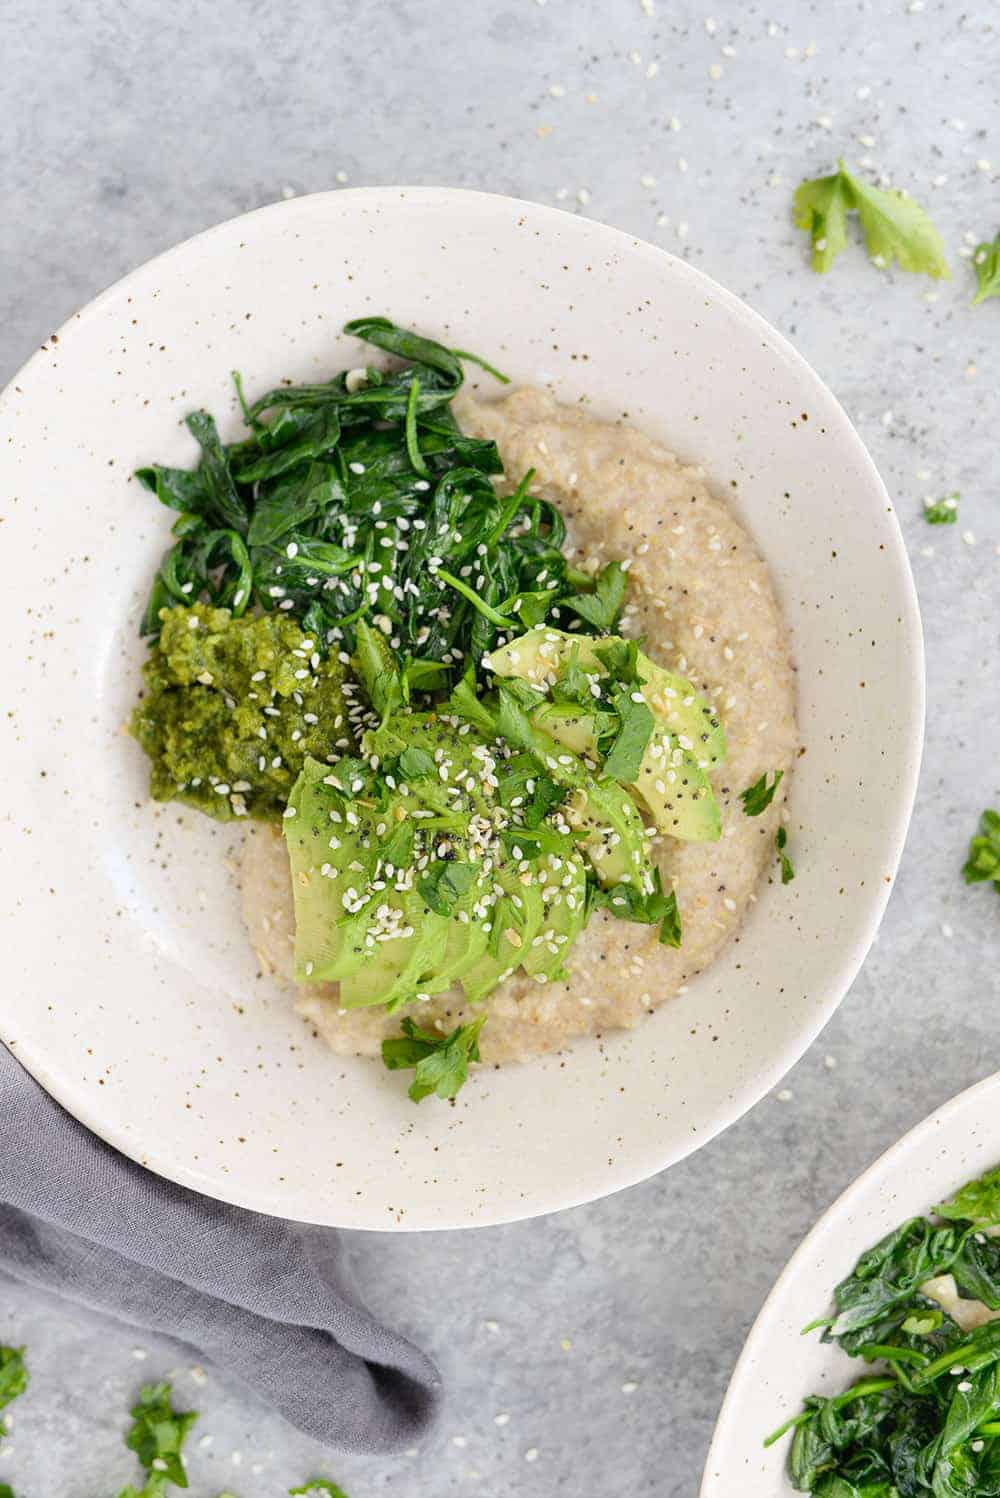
(262, 1298)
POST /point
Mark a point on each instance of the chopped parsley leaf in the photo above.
(670, 926)
(983, 862)
(156, 1435)
(318, 1485)
(602, 607)
(415, 763)
(440, 1062)
(635, 729)
(942, 511)
(986, 263)
(894, 226)
(13, 1377)
(445, 883)
(649, 907)
(620, 658)
(758, 797)
(787, 867)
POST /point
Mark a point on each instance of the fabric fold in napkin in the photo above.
(262, 1298)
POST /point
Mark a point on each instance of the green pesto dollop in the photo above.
(232, 708)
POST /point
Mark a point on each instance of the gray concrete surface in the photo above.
(606, 1334)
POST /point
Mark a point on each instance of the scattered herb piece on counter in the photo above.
(13, 1382)
(157, 1434)
(319, 1485)
(13, 1377)
(440, 1062)
(758, 797)
(787, 867)
(942, 511)
(894, 226)
(922, 1303)
(986, 263)
(983, 862)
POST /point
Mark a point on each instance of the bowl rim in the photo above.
(844, 967)
(890, 1163)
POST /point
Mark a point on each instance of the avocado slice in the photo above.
(321, 876)
(672, 783)
(603, 816)
(538, 657)
(397, 970)
(515, 920)
(564, 893)
(676, 791)
(610, 831)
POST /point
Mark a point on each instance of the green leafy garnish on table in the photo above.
(986, 263)
(942, 511)
(758, 797)
(983, 862)
(926, 1419)
(440, 1062)
(318, 1485)
(13, 1377)
(894, 226)
(156, 1435)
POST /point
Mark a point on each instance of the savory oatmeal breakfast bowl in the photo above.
(456, 784)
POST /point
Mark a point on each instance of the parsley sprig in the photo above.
(983, 862)
(758, 797)
(942, 511)
(894, 226)
(157, 1435)
(986, 263)
(440, 1062)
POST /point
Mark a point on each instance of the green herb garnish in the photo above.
(942, 511)
(13, 1377)
(603, 607)
(787, 867)
(157, 1434)
(983, 862)
(986, 263)
(758, 797)
(894, 226)
(445, 884)
(623, 756)
(649, 906)
(318, 1485)
(926, 1425)
(440, 1062)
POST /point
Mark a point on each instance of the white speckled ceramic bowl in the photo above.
(130, 990)
(778, 1366)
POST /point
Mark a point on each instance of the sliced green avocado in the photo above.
(564, 893)
(538, 656)
(671, 783)
(610, 831)
(397, 970)
(513, 929)
(321, 876)
(676, 791)
(569, 725)
(608, 827)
